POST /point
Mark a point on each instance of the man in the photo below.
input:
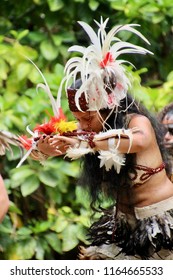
(166, 118)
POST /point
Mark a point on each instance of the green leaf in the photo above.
(70, 240)
(55, 5)
(48, 50)
(70, 168)
(23, 69)
(30, 185)
(60, 224)
(22, 51)
(36, 36)
(6, 229)
(22, 34)
(23, 250)
(20, 175)
(93, 5)
(41, 226)
(82, 197)
(57, 39)
(54, 242)
(41, 245)
(3, 69)
(13, 208)
(81, 233)
(48, 178)
(24, 231)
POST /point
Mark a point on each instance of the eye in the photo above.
(86, 118)
(170, 130)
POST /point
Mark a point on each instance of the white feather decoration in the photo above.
(111, 158)
(46, 88)
(78, 151)
(98, 63)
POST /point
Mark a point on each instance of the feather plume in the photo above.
(98, 63)
(75, 152)
(6, 140)
(45, 87)
(79, 150)
(111, 159)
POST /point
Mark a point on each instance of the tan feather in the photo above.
(6, 140)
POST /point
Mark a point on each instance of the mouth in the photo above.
(168, 145)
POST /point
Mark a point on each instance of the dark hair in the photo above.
(97, 179)
(168, 109)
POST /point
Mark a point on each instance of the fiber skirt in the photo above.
(147, 232)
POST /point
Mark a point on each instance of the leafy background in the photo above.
(49, 213)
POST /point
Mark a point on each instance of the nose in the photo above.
(167, 136)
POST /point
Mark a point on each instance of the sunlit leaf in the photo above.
(55, 5)
(93, 4)
(3, 69)
(60, 224)
(23, 70)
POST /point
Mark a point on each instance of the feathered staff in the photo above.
(57, 123)
(104, 81)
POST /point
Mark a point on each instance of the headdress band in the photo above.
(71, 92)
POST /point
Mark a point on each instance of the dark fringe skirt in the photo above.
(142, 237)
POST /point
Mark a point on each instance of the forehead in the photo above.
(81, 115)
(168, 119)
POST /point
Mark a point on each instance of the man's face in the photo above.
(168, 123)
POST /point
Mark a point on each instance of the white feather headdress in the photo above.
(104, 81)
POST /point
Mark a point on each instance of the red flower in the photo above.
(49, 127)
(45, 128)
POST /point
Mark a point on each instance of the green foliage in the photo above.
(49, 213)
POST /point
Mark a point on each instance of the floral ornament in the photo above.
(56, 125)
(104, 79)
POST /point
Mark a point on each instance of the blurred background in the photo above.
(49, 213)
